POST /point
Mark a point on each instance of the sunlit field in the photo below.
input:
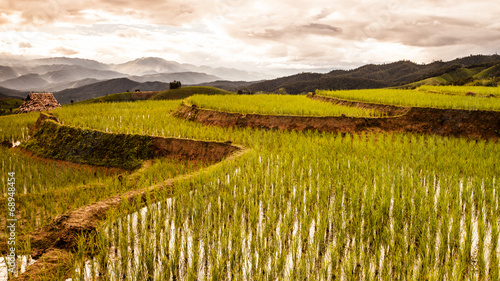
(416, 98)
(297, 205)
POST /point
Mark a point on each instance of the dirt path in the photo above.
(475, 124)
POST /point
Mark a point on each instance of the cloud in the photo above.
(63, 51)
(279, 32)
(25, 45)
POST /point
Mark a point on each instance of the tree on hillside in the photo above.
(175, 85)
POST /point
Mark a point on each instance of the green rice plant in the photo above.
(304, 205)
(15, 127)
(276, 105)
(369, 207)
(462, 90)
(416, 98)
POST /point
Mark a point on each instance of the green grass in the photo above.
(276, 105)
(416, 98)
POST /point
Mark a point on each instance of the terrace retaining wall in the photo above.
(84, 146)
(476, 124)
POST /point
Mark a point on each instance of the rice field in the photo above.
(301, 205)
(276, 105)
(416, 98)
(354, 208)
(462, 90)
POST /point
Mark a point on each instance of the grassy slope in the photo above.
(185, 92)
(174, 94)
(489, 72)
(127, 96)
(8, 104)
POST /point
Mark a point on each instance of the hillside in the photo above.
(173, 94)
(185, 92)
(107, 87)
(7, 105)
(227, 85)
(58, 74)
(377, 76)
(479, 75)
(4, 93)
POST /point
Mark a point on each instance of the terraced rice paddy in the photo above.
(301, 205)
(276, 105)
(416, 98)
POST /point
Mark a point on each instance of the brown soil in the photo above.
(143, 95)
(51, 266)
(194, 150)
(476, 124)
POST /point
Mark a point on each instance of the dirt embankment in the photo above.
(475, 124)
(84, 146)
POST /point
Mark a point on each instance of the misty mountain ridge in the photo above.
(68, 81)
(56, 74)
(103, 88)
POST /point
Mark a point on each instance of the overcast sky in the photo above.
(301, 34)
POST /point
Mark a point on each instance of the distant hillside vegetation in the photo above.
(9, 93)
(232, 86)
(379, 76)
(8, 105)
(486, 74)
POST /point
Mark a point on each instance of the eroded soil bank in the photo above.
(85, 146)
(474, 124)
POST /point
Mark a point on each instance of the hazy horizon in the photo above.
(251, 35)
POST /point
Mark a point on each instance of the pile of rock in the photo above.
(39, 102)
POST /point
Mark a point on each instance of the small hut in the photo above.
(39, 102)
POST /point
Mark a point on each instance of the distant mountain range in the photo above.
(57, 74)
(103, 88)
(79, 79)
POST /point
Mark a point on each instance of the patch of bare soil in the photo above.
(143, 95)
(476, 124)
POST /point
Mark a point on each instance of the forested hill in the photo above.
(369, 76)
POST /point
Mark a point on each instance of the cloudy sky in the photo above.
(248, 34)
